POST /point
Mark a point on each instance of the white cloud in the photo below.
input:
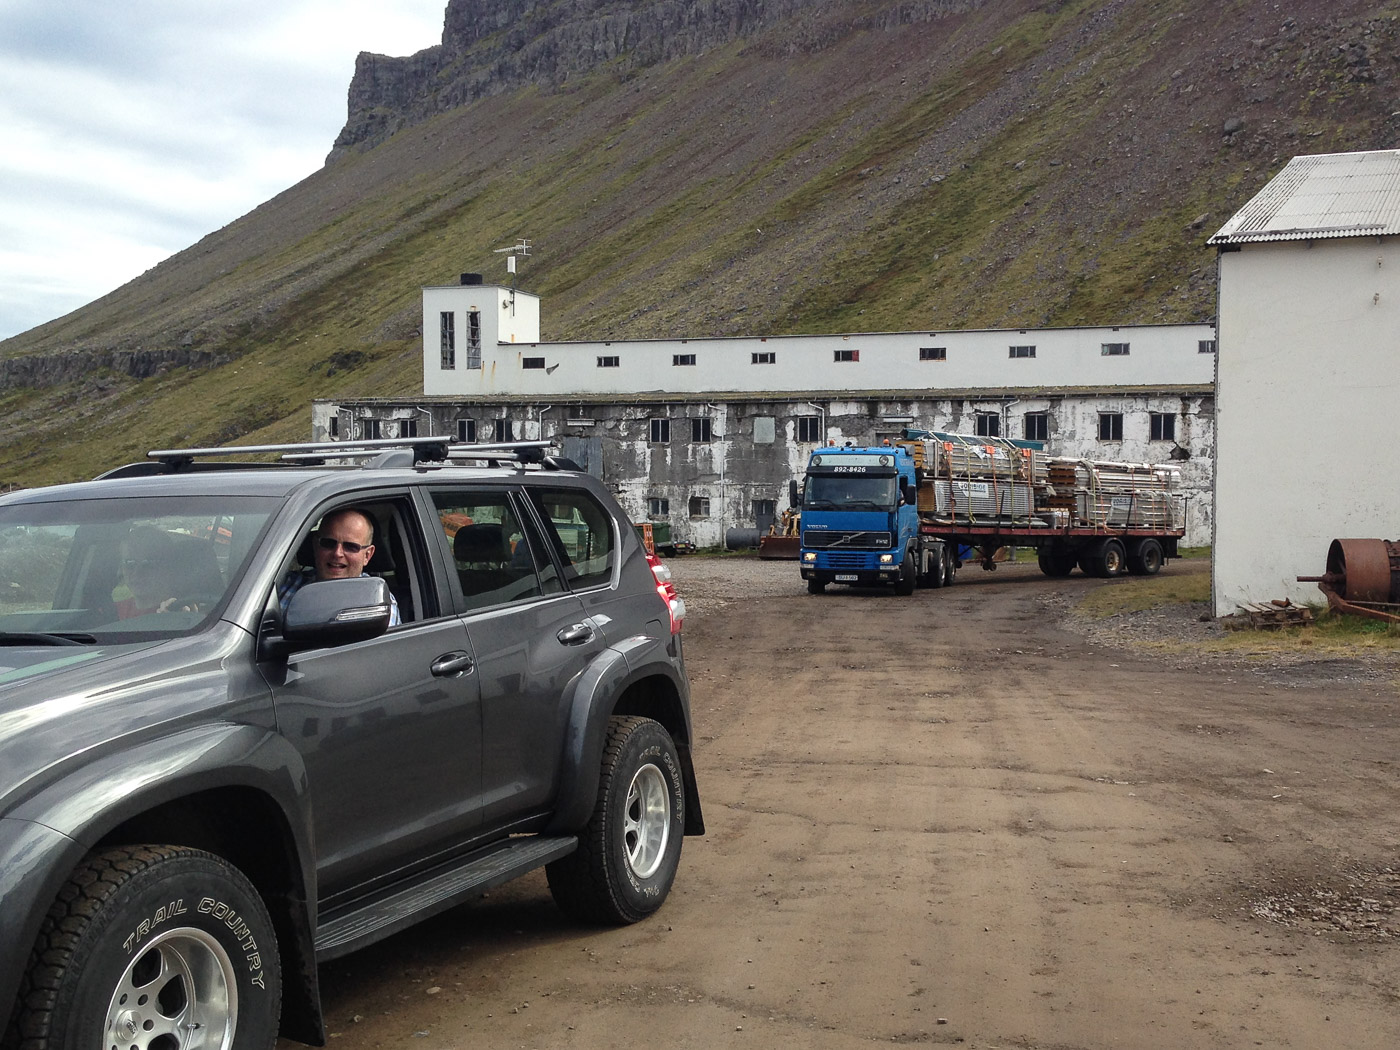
(133, 129)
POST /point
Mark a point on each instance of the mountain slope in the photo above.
(736, 166)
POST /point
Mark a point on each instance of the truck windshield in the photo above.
(849, 492)
(110, 570)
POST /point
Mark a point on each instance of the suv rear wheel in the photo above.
(628, 853)
(152, 946)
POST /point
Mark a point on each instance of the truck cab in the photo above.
(860, 522)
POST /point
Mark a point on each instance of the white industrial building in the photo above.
(706, 433)
(1307, 388)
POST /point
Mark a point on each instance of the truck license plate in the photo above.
(846, 577)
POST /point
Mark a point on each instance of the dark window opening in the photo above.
(1110, 426)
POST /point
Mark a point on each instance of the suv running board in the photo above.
(398, 909)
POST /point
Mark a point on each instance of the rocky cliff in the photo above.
(491, 47)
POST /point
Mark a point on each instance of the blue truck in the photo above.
(860, 522)
(910, 512)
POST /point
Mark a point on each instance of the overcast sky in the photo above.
(131, 128)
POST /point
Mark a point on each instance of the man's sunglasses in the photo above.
(328, 544)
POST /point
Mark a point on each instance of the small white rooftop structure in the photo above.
(1327, 195)
(1306, 383)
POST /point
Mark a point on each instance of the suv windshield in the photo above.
(121, 569)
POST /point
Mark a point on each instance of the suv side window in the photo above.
(397, 556)
(581, 533)
(496, 558)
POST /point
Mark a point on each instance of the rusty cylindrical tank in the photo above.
(1361, 574)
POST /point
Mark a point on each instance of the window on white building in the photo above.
(473, 338)
(765, 357)
(1110, 426)
(809, 428)
(1037, 426)
(682, 359)
(700, 429)
(447, 329)
(608, 361)
(988, 425)
(1205, 346)
(1114, 350)
(699, 506)
(658, 507)
(933, 353)
(532, 362)
(504, 430)
(1163, 426)
(660, 431)
(847, 355)
(1022, 351)
(466, 430)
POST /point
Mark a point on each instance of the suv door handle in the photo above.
(575, 634)
(452, 665)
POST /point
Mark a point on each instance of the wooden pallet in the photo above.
(1275, 614)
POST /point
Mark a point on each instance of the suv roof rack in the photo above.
(380, 452)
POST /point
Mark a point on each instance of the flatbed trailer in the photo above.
(1096, 550)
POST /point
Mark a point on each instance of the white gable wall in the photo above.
(1307, 399)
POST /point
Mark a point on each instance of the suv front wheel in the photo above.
(152, 946)
(628, 853)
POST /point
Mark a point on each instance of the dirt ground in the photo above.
(964, 817)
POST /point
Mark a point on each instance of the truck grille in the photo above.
(822, 540)
(844, 560)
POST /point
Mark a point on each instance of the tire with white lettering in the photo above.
(152, 946)
(628, 854)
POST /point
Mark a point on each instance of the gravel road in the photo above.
(965, 817)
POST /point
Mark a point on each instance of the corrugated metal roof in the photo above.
(1327, 195)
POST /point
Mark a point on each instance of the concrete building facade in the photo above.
(706, 433)
(1307, 392)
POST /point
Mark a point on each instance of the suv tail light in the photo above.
(666, 587)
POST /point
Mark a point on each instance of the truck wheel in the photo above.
(1145, 558)
(938, 570)
(950, 568)
(905, 584)
(816, 586)
(1105, 559)
(152, 946)
(1054, 562)
(628, 854)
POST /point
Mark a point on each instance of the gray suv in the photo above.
(238, 740)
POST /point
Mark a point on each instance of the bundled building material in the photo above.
(1118, 495)
(988, 481)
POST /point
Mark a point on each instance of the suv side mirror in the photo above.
(335, 612)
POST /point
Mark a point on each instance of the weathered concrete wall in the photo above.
(756, 444)
(1307, 392)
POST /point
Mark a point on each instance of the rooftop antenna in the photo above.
(521, 247)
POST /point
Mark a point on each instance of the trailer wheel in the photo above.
(1145, 558)
(1055, 561)
(938, 570)
(1105, 559)
(950, 567)
(905, 584)
(816, 586)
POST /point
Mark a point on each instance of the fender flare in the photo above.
(595, 696)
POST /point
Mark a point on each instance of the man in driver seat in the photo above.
(342, 548)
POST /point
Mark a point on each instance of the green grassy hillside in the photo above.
(1015, 164)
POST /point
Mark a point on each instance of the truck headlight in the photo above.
(810, 556)
(886, 559)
